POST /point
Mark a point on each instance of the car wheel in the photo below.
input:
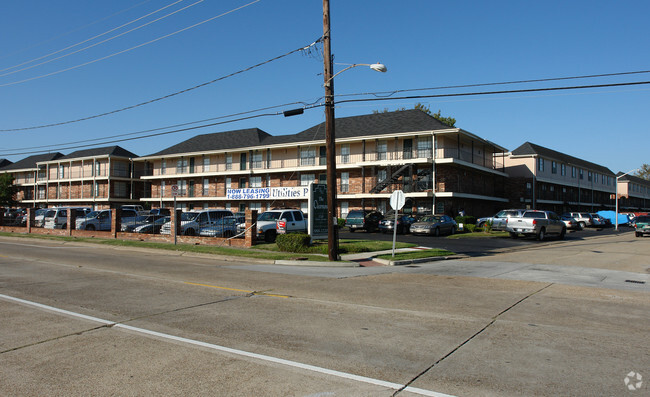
(582, 225)
(269, 236)
(90, 227)
(436, 232)
(541, 235)
(562, 233)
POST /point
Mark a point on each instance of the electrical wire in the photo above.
(166, 96)
(90, 39)
(131, 48)
(56, 147)
(73, 30)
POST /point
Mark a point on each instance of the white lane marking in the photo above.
(262, 357)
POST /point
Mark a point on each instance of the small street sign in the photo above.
(174, 190)
(397, 200)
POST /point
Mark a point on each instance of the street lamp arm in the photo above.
(379, 67)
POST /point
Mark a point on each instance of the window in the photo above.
(573, 172)
(229, 161)
(228, 183)
(255, 181)
(256, 159)
(540, 164)
(306, 179)
(322, 178)
(407, 149)
(62, 171)
(345, 153)
(163, 167)
(345, 208)
(381, 175)
(181, 166)
(563, 169)
(242, 183)
(268, 158)
(162, 188)
(95, 189)
(345, 182)
(206, 163)
(424, 147)
(98, 168)
(553, 167)
(121, 169)
(589, 176)
(382, 148)
(41, 192)
(242, 161)
(308, 156)
(206, 187)
(182, 187)
(192, 159)
(256, 206)
(322, 155)
(119, 189)
(582, 174)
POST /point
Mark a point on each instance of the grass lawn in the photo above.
(417, 254)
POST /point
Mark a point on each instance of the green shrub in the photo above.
(293, 242)
(469, 228)
(341, 222)
(465, 220)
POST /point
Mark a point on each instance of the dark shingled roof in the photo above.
(531, 148)
(4, 162)
(30, 162)
(218, 141)
(374, 124)
(633, 178)
(101, 151)
(356, 126)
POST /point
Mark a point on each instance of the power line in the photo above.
(92, 38)
(132, 48)
(495, 92)
(166, 96)
(56, 147)
(74, 30)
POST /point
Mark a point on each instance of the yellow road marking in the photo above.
(238, 290)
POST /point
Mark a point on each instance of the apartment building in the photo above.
(26, 174)
(633, 193)
(99, 178)
(542, 178)
(440, 168)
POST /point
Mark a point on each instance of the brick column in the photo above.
(115, 221)
(31, 214)
(72, 219)
(251, 227)
(176, 224)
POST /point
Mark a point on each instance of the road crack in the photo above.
(466, 341)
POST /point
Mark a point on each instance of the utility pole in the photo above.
(330, 140)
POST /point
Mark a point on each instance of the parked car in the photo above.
(367, 220)
(434, 225)
(641, 225)
(39, 217)
(584, 218)
(499, 220)
(225, 227)
(96, 220)
(160, 211)
(536, 223)
(267, 223)
(57, 218)
(571, 223)
(404, 222)
(193, 222)
(152, 227)
(601, 221)
(130, 225)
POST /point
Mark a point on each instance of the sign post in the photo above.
(397, 201)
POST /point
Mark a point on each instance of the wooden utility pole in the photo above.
(330, 140)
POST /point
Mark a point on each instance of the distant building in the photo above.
(633, 193)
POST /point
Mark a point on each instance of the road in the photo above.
(84, 319)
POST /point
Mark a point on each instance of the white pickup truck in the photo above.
(290, 220)
(536, 223)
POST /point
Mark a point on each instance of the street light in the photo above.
(330, 140)
(616, 194)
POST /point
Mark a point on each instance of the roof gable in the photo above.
(528, 149)
(30, 162)
(101, 151)
(218, 141)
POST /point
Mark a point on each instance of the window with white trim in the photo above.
(308, 156)
(345, 182)
(255, 181)
(206, 187)
(382, 148)
(345, 153)
(306, 179)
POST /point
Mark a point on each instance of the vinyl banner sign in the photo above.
(261, 193)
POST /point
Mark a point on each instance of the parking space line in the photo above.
(255, 356)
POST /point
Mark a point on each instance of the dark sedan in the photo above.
(403, 223)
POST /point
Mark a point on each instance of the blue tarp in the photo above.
(623, 219)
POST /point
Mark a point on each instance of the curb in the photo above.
(390, 262)
(316, 263)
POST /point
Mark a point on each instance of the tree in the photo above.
(7, 190)
(644, 172)
(450, 121)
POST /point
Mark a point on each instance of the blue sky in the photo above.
(424, 44)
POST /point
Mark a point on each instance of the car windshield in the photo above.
(269, 216)
(433, 219)
(162, 220)
(50, 214)
(189, 216)
(41, 211)
(92, 214)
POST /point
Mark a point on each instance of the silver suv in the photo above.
(192, 222)
(57, 218)
(499, 220)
